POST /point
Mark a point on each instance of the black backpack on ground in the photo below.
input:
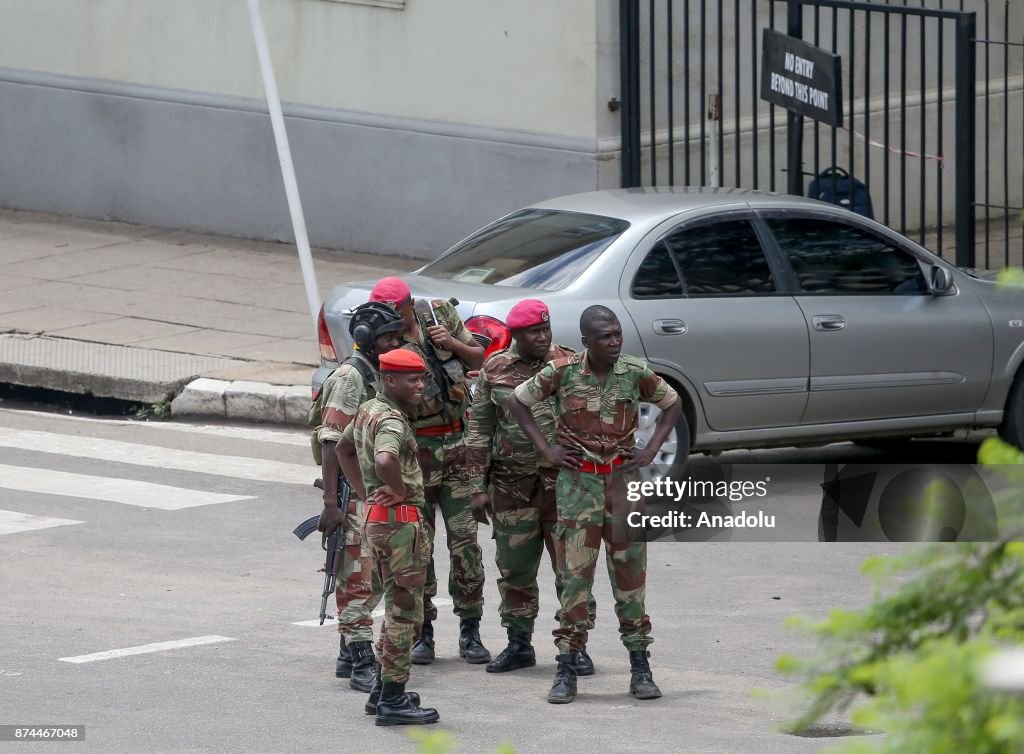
(836, 186)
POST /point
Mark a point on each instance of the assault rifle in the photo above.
(332, 542)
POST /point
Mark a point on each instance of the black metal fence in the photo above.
(933, 122)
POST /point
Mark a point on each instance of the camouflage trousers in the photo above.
(523, 527)
(359, 588)
(400, 553)
(446, 487)
(592, 508)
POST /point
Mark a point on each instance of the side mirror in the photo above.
(942, 280)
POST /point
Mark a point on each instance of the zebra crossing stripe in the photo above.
(161, 646)
(249, 434)
(239, 467)
(12, 522)
(126, 491)
(296, 438)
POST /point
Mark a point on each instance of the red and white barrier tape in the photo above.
(895, 150)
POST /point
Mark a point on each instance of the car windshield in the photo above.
(534, 248)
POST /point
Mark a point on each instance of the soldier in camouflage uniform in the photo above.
(598, 393)
(378, 452)
(376, 329)
(522, 486)
(435, 331)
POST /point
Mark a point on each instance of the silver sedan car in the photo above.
(779, 320)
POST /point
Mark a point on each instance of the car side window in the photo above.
(716, 259)
(721, 259)
(833, 258)
(657, 276)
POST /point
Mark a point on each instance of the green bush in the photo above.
(909, 664)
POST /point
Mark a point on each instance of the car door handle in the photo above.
(669, 327)
(828, 322)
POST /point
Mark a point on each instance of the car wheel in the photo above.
(672, 456)
(1012, 428)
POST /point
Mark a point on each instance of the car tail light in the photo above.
(495, 329)
(327, 351)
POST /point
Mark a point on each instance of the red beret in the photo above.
(392, 291)
(527, 313)
(401, 360)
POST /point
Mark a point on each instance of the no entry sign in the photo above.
(801, 77)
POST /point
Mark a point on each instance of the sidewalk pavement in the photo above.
(220, 325)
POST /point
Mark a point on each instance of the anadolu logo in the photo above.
(906, 503)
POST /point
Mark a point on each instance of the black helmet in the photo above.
(370, 321)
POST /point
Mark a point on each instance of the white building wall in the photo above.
(411, 126)
(527, 65)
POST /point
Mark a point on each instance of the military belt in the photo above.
(441, 429)
(589, 467)
(393, 514)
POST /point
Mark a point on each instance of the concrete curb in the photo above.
(153, 376)
(87, 383)
(245, 401)
(105, 370)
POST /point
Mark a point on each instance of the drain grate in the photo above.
(835, 730)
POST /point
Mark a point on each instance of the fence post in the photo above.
(966, 31)
(794, 121)
(629, 82)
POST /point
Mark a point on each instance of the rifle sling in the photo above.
(436, 369)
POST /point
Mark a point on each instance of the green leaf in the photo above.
(1010, 277)
(433, 742)
(789, 664)
(995, 452)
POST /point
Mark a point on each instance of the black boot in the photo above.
(563, 690)
(584, 665)
(397, 708)
(470, 645)
(518, 654)
(364, 666)
(423, 649)
(370, 708)
(641, 682)
(343, 666)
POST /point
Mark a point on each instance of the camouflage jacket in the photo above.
(433, 409)
(381, 426)
(342, 393)
(492, 435)
(598, 420)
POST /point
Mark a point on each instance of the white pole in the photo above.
(284, 155)
(714, 115)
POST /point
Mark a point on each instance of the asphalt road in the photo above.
(129, 566)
